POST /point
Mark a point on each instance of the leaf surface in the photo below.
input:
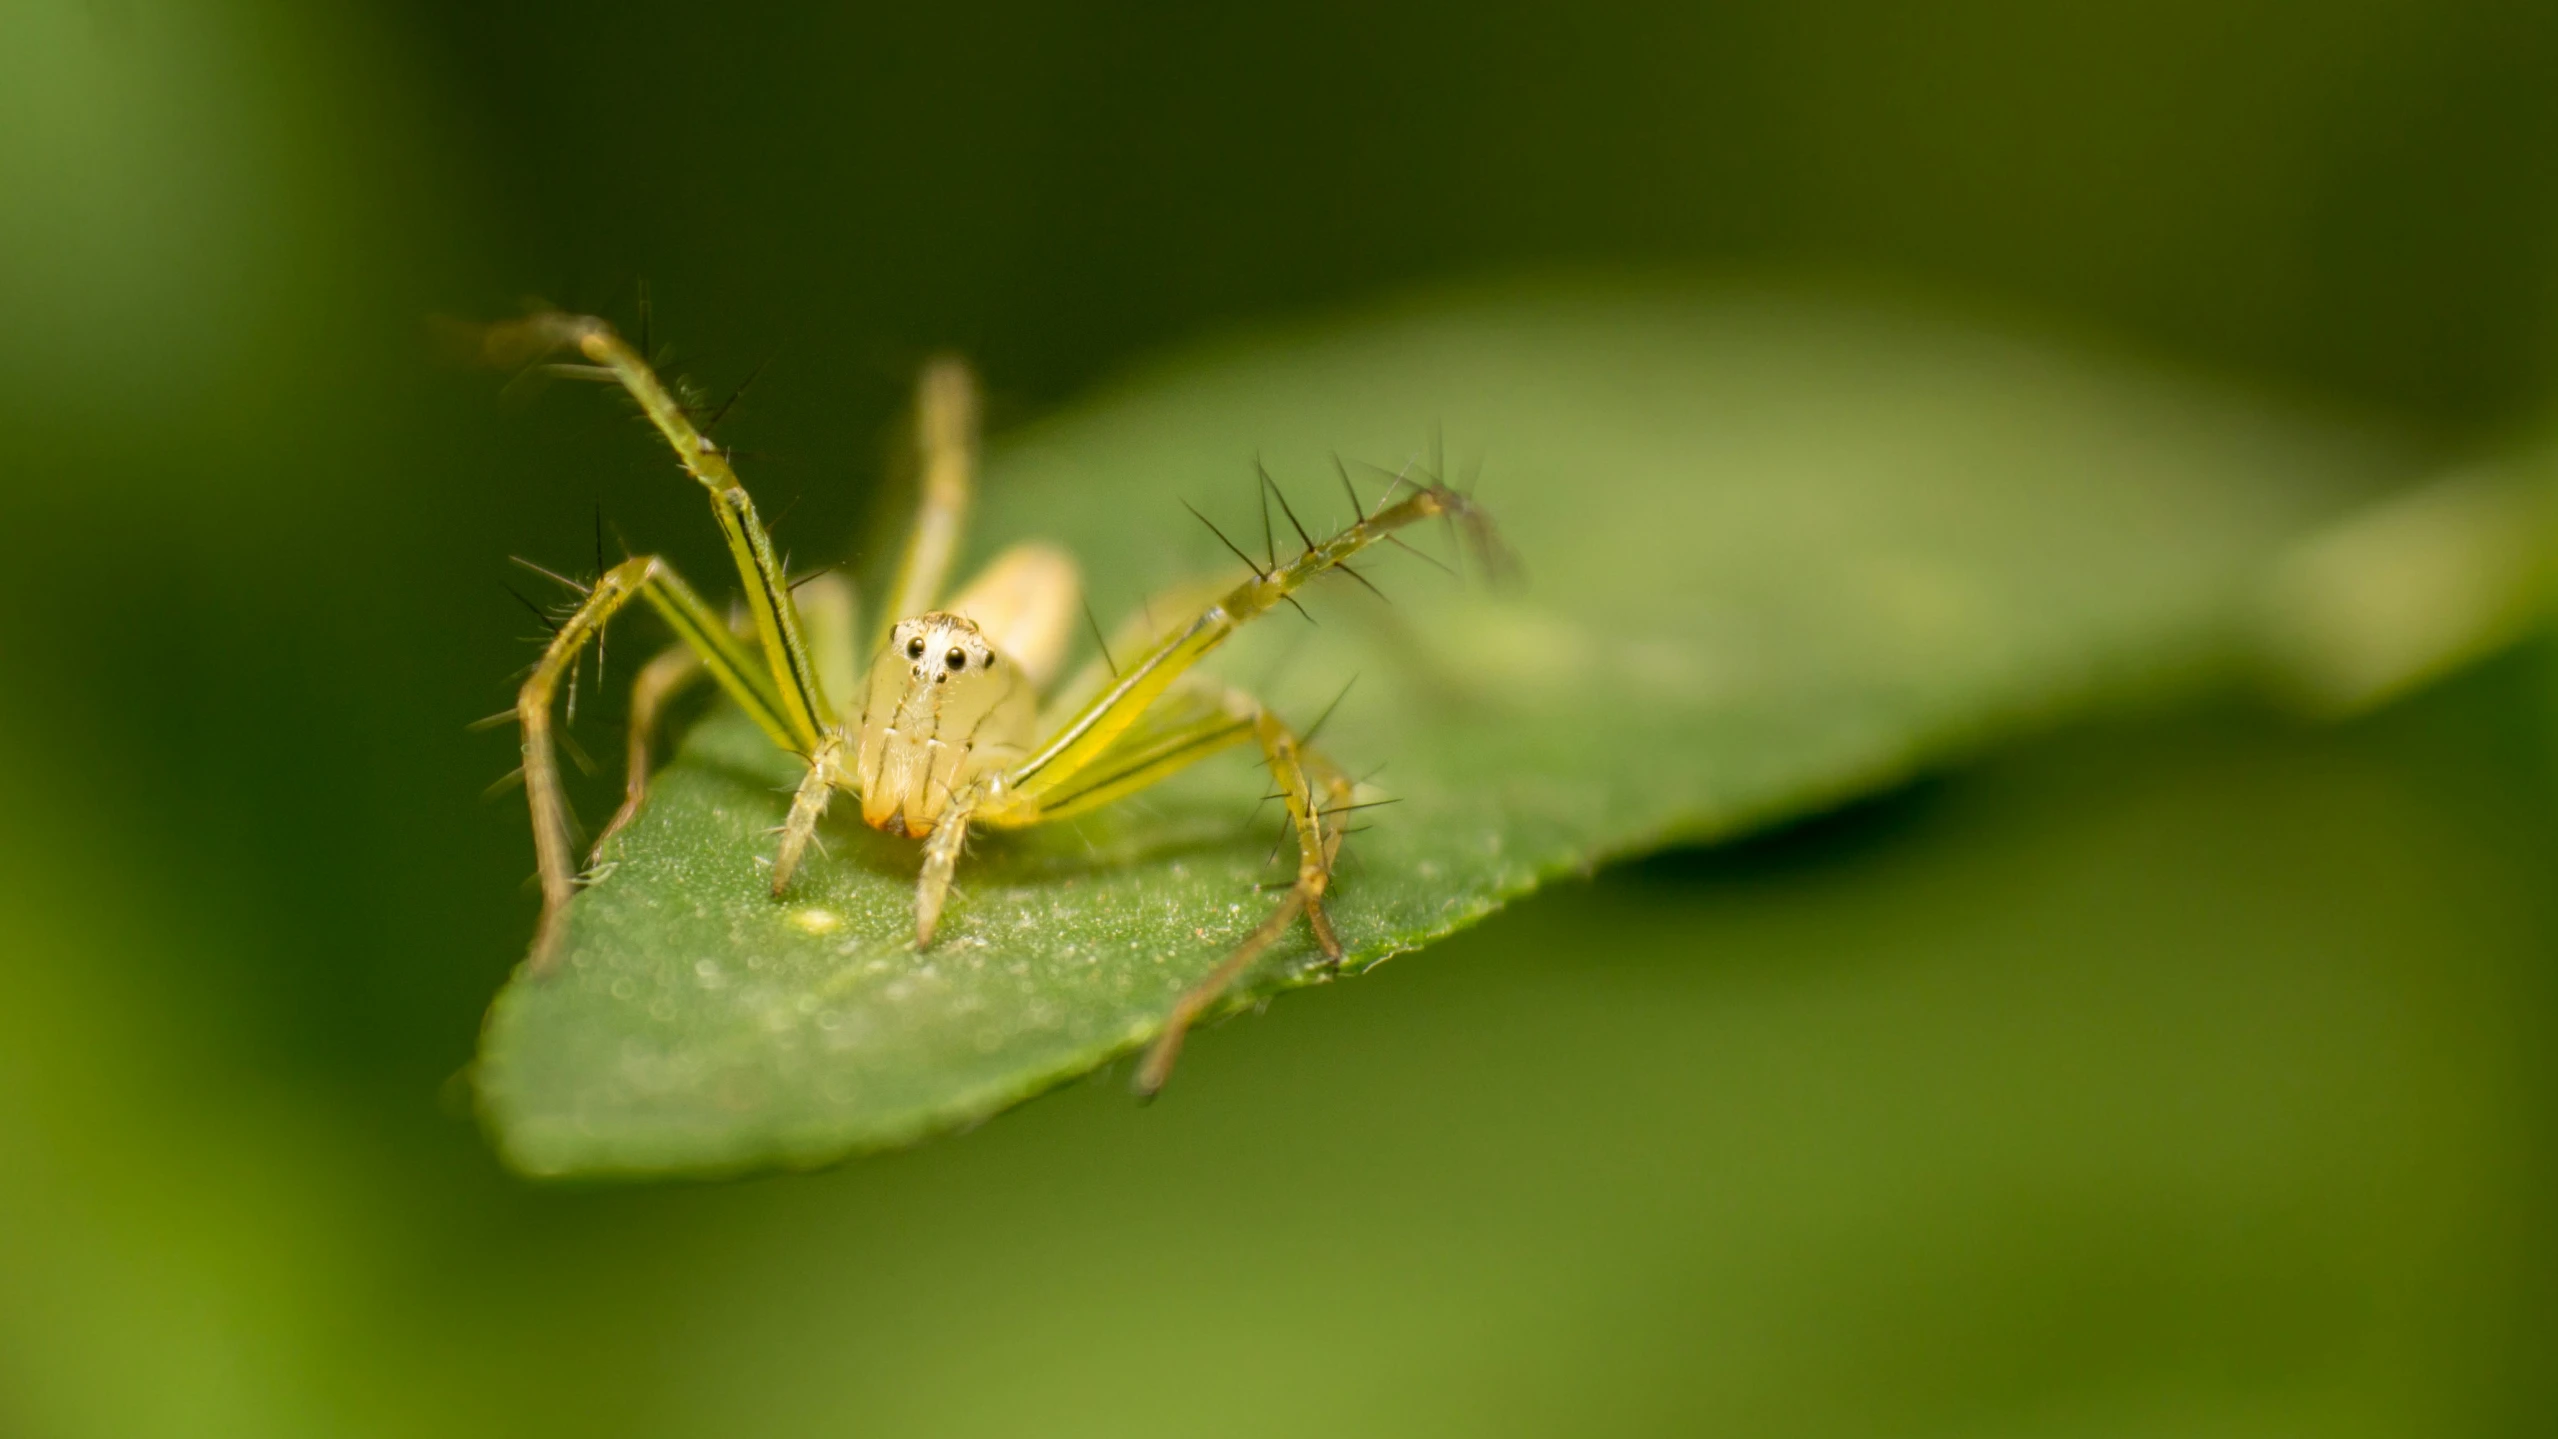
(1779, 551)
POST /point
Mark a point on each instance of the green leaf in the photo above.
(2401, 593)
(1780, 552)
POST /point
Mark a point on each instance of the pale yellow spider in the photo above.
(948, 730)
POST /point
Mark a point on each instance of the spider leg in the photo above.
(797, 692)
(946, 442)
(1145, 678)
(1315, 790)
(827, 772)
(826, 603)
(1194, 719)
(668, 674)
(714, 650)
(1118, 742)
(1197, 720)
(1138, 633)
(831, 609)
(941, 858)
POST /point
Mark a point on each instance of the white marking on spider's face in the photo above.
(940, 703)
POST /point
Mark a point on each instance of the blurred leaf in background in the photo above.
(2192, 1079)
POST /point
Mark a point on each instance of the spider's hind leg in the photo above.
(1316, 792)
(703, 635)
(665, 676)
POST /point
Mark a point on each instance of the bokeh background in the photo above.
(2183, 1076)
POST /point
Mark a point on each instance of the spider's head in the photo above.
(935, 649)
(940, 700)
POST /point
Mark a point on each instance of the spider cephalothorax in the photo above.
(941, 704)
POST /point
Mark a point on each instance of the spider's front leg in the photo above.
(828, 771)
(941, 858)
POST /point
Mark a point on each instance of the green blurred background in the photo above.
(2188, 1077)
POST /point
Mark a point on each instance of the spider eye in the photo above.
(957, 658)
(915, 648)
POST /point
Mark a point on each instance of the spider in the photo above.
(947, 731)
